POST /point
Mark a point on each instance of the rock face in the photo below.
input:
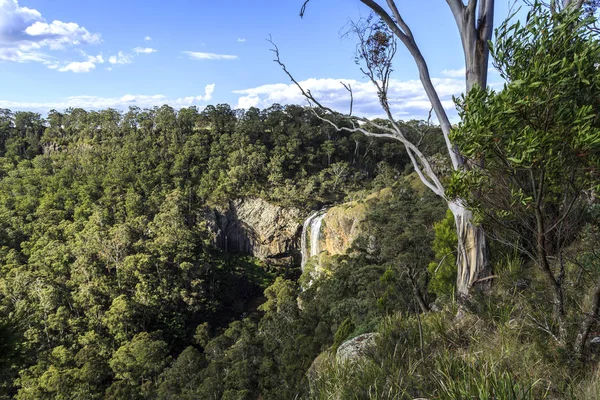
(343, 224)
(255, 227)
(356, 348)
(349, 351)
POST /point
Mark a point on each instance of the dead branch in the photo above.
(418, 159)
(303, 9)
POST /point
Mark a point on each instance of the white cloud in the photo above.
(208, 92)
(121, 103)
(148, 38)
(241, 40)
(18, 56)
(78, 67)
(454, 73)
(24, 32)
(145, 50)
(95, 59)
(121, 58)
(208, 56)
(58, 33)
(407, 98)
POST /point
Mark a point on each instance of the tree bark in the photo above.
(473, 266)
(544, 264)
(588, 321)
(418, 294)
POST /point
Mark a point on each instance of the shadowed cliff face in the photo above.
(255, 227)
(273, 234)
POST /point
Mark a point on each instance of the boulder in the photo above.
(357, 347)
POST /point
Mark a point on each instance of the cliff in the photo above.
(343, 224)
(258, 228)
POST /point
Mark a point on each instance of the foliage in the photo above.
(107, 273)
(342, 333)
(540, 139)
(443, 269)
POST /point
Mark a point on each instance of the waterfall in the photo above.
(311, 226)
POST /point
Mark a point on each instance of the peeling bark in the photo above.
(474, 21)
(472, 258)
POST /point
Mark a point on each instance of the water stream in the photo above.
(312, 227)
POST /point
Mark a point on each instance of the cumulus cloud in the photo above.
(144, 50)
(24, 33)
(208, 56)
(407, 98)
(148, 38)
(454, 73)
(120, 58)
(95, 59)
(78, 67)
(241, 40)
(121, 103)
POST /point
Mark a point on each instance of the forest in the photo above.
(112, 287)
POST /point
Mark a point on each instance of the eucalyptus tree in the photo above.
(376, 51)
(540, 137)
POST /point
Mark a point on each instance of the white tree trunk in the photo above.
(473, 267)
(474, 21)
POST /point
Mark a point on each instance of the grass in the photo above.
(496, 352)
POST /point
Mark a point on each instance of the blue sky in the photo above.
(117, 53)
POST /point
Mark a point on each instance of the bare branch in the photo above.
(420, 163)
(303, 9)
(409, 42)
(349, 89)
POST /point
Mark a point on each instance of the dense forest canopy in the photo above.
(112, 286)
(106, 258)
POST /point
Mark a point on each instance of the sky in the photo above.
(96, 54)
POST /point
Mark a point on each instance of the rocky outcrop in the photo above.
(351, 350)
(258, 228)
(343, 224)
(358, 347)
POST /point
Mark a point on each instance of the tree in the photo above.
(540, 137)
(376, 50)
(403, 225)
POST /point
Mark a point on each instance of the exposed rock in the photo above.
(351, 350)
(595, 340)
(357, 347)
(256, 227)
(315, 368)
(342, 224)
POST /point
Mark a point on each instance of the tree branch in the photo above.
(420, 163)
(406, 38)
(303, 9)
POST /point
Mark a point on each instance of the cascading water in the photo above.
(312, 227)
